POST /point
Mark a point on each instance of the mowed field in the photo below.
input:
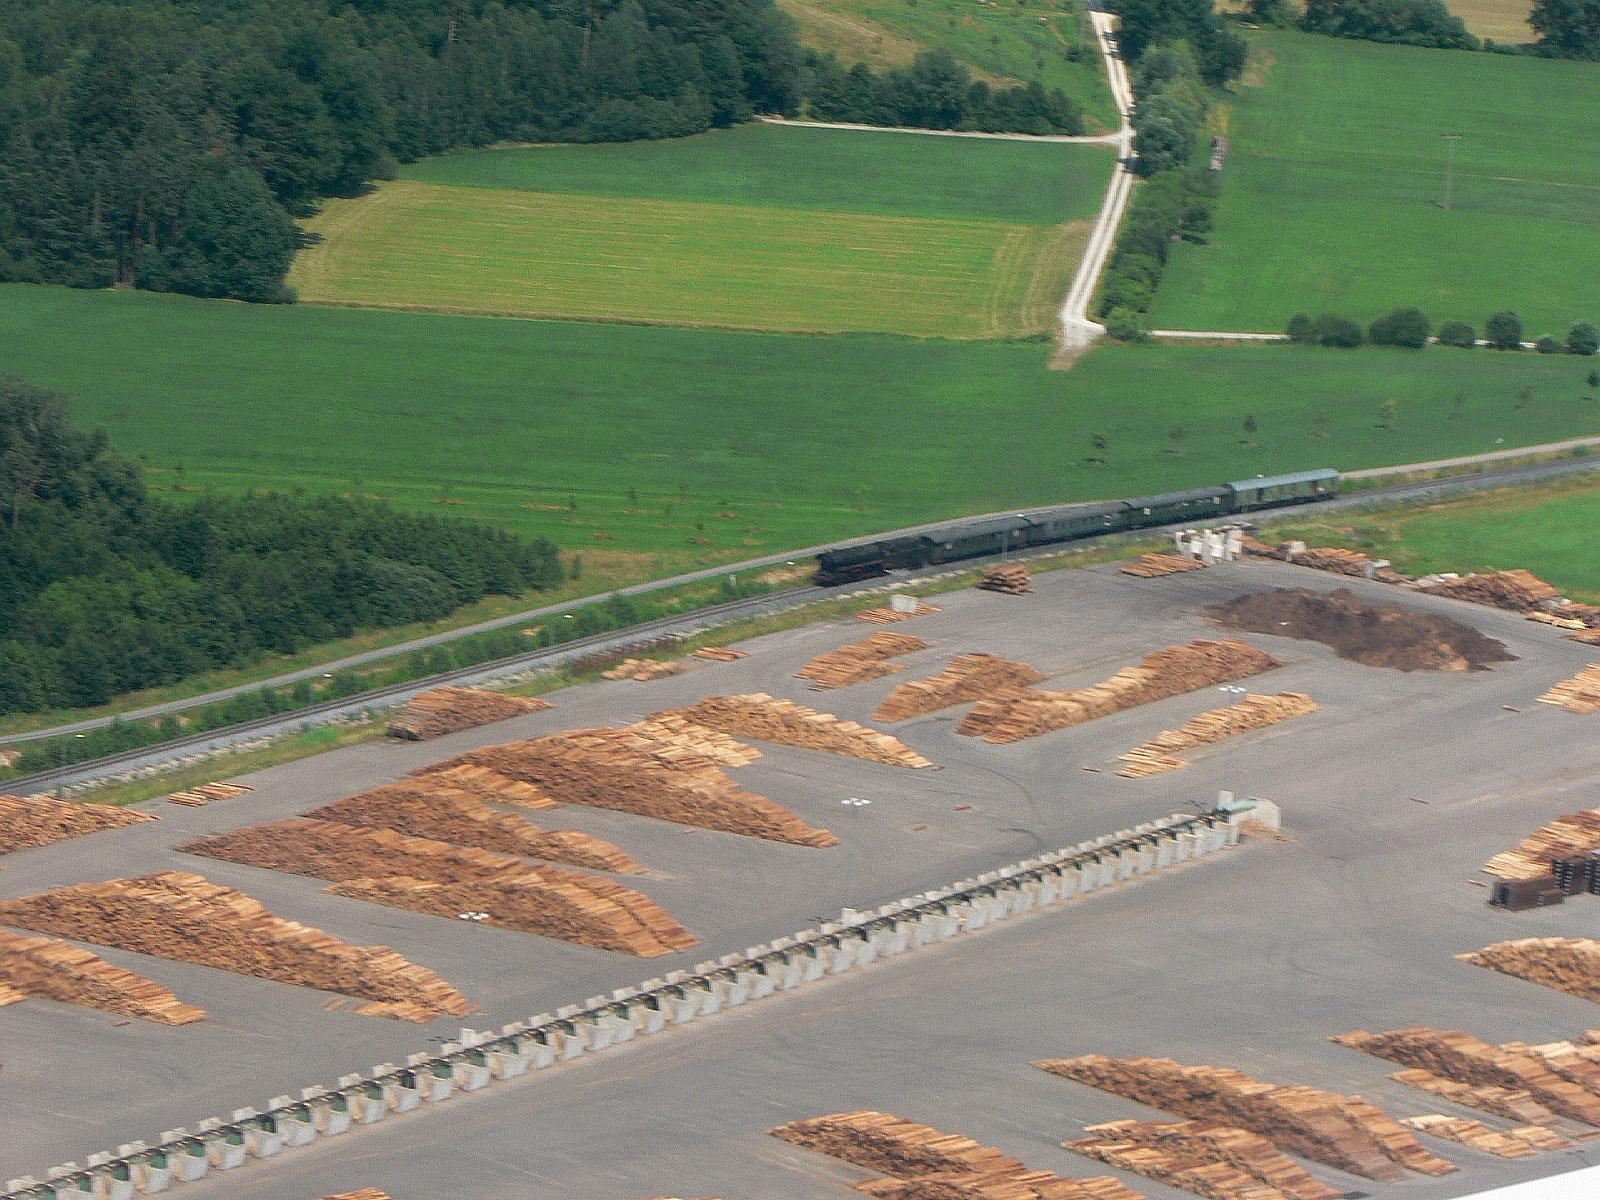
(1333, 189)
(934, 248)
(1503, 20)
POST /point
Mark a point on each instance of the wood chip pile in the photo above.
(1342, 1131)
(924, 1164)
(860, 661)
(645, 669)
(1153, 566)
(1161, 753)
(207, 792)
(51, 969)
(1575, 833)
(1169, 672)
(969, 677)
(448, 709)
(720, 654)
(29, 821)
(764, 718)
(1523, 1142)
(1580, 694)
(1220, 1162)
(1517, 590)
(890, 616)
(1570, 965)
(187, 918)
(1513, 1104)
(1012, 579)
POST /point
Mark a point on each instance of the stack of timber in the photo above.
(764, 718)
(448, 709)
(421, 808)
(207, 792)
(1333, 559)
(621, 770)
(1557, 620)
(187, 918)
(1566, 836)
(1523, 1142)
(1011, 579)
(1517, 590)
(51, 969)
(720, 654)
(890, 615)
(645, 669)
(1169, 672)
(1342, 1131)
(1589, 637)
(1580, 694)
(1153, 566)
(1459, 1056)
(860, 661)
(1220, 1162)
(30, 821)
(359, 1194)
(924, 1164)
(1161, 753)
(1570, 965)
(974, 676)
(481, 783)
(1512, 1104)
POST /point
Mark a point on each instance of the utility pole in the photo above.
(1450, 140)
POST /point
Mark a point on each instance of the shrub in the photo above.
(1337, 331)
(1458, 333)
(1504, 330)
(1549, 345)
(1124, 325)
(1406, 327)
(1302, 329)
(1583, 338)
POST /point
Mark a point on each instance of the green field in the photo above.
(1331, 198)
(586, 233)
(684, 446)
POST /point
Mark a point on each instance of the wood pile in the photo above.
(1589, 637)
(1161, 753)
(1517, 590)
(1570, 965)
(1334, 559)
(483, 783)
(676, 738)
(1560, 622)
(207, 792)
(974, 676)
(925, 1164)
(1512, 1104)
(860, 661)
(1523, 1142)
(645, 669)
(359, 1194)
(720, 654)
(1575, 833)
(1012, 579)
(187, 918)
(449, 709)
(30, 821)
(1153, 566)
(1466, 1059)
(1580, 694)
(764, 718)
(51, 969)
(889, 616)
(1221, 1162)
(419, 808)
(1165, 673)
(1341, 1131)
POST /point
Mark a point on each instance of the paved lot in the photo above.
(1249, 962)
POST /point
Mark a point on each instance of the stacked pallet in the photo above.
(29, 821)
(1523, 1142)
(764, 718)
(448, 709)
(1513, 1104)
(1221, 1162)
(1011, 579)
(890, 615)
(1580, 694)
(1517, 590)
(1161, 753)
(1342, 1131)
(1462, 1057)
(207, 792)
(720, 654)
(1566, 836)
(645, 669)
(51, 969)
(421, 808)
(1169, 672)
(187, 918)
(1570, 965)
(860, 661)
(974, 676)
(1153, 566)
(924, 1163)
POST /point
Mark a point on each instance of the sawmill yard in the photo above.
(1396, 787)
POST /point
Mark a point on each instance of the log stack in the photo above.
(969, 677)
(1514, 1104)
(860, 661)
(1153, 566)
(672, 737)
(187, 918)
(1580, 694)
(642, 670)
(359, 1194)
(449, 709)
(51, 969)
(1516, 590)
(1169, 672)
(1559, 621)
(1589, 637)
(720, 654)
(1566, 836)
(1220, 1162)
(30, 821)
(1341, 1131)
(1570, 965)
(1523, 1142)
(1162, 752)
(890, 616)
(207, 792)
(764, 718)
(1011, 579)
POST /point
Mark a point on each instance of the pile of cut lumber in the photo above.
(1161, 753)
(1513, 1104)
(1570, 965)
(51, 969)
(645, 669)
(207, 792)
(720, 654)
(1220, 1162)
(1517, 590)
(860, 661)
(1575, 833)
(1333, 559)
(674, 738)
(1153, 566)
(29, 821)
(922, 1162)
(1341, 1131)
(187, 918)
(764, 718)
(1580, 694)
(359, 1194)
(1013, 579)
(1589, 637)
(448, 709)
(1523, 1142)
(1560, 622)
(889, 616)
(1169, 672)
(484, 783)
(975, 676)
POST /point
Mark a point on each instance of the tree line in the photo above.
(1564, 28)
(105, 590)
(1410, 329)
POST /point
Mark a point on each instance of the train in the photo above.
(982, 536)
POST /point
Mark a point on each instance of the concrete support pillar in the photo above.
(741, 985)
(648, 1014)
(436, 1083)
(472, 1071)
(368, 1103)
(866, 948)
(189, 1161)
(261, 1136)
(225, 1150)
(1185, 847)
(69, 1183)
(681, 1006)
(113, 1181)
(567, 1037)
(812, 965)
(763, 977)
(838, 954)
(1166, 851)
(706, 997)
(507, 1061)
(401, 1092)
(152, 1172)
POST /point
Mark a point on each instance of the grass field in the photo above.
(1503, 20)
(600, 246)
(1331, 200)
